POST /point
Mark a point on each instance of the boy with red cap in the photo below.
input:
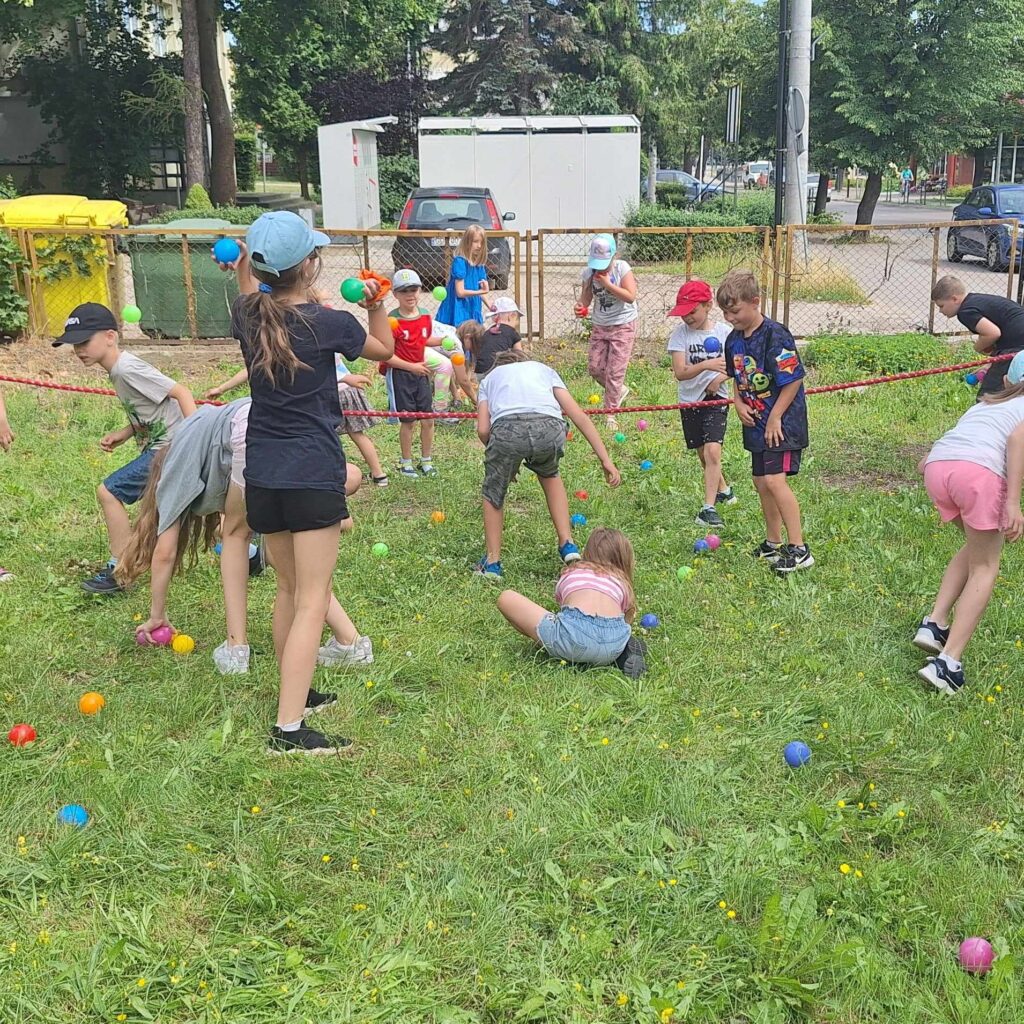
(698, 363)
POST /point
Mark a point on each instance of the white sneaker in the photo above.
(624, 395)
(335, 655)
(232, 660)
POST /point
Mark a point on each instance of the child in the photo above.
(6, 440)
(467, 282)
(451, 375)
(609, 283)
(197, 482)
(520, 409)
(501, 336)
(973, 474)
(702, 376)
(155, 405)
(295, 469)
(998, 322)
(768, 396)
(596, 608)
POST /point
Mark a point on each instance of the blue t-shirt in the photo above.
(761, 366)
(291, 442)
(454, 310)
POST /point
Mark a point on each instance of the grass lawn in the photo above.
(518, 840)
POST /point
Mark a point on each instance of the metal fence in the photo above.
(815, 278)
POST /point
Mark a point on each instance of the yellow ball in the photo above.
(437, 517)
(183, 644)
(595, 399)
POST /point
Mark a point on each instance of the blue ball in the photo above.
(73, 814)
(646, 465)
(712, 346)
(217, 548)
(578, 520)
(972, 379)
(700, 546)
(226, 250)
(649, 621)
(796, 753)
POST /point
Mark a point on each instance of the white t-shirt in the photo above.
(609, 310)
(980, 435)
(683, 339)
(520, 388)
(145, 394)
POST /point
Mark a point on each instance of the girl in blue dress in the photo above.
(467, 282)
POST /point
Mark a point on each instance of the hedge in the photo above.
(245, 161)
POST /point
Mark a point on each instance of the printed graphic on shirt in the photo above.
(146, 434)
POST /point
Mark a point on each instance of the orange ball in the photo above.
(393, 323)
(458, 359)
(437, 517)
(90, 703)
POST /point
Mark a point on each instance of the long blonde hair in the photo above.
(471, 233)
(1008, 392)
(609, 552)
(197, 532)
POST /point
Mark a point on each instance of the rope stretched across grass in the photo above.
(822, 389)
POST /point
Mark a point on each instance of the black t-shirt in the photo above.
(1008, 316)
(499, 338)
(292, 441)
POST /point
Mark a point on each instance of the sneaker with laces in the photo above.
(231, 659)
(794, 558)
(726, 498)
(317, 701)
(6, 576)
(336, 655)
(624, 395)
(258, 559)
(427, 468)
(380, 481)
(707, 516)
(306, 741)
(931, 637)
(945, 679)
(488, 570)
(408, 471)
(767, 551)
(569, 553)
(102, 583)
(633, 659)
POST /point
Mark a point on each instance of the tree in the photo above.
(223, 185)
(195, 150)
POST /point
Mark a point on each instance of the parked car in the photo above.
(758, 170)
(443, 210)
(971, 236)
(696, 191)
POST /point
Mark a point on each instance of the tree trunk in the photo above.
(652, 171)
(302, 169)
(223, 184)
(841, 174)
(979, 167)
(821, 196)
(195, 165)
(872, 190)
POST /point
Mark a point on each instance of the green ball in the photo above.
(440, 293)
(683, 572)
(352, 290)
(448, 345)
(131, 314)
(620, 437)
(380, 550)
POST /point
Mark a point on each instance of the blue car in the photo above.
(971, 236)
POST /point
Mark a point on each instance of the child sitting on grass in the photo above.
(596, 608)
(973, 474)
(501, 336)
(155, 405)
(520, 410)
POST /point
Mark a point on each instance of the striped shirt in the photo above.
(575, 580)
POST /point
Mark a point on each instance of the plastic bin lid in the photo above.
(62, 211)
(178, 227)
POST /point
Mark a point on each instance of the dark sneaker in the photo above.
(258, 560)
(102, 583)
(306, 741)
(930, 637)
(726, 498)
(767, 551)
(942, 677)
(633, 659)
(709, 517)
(317, 701)
(793, 558)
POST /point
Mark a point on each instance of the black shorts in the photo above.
(274, 510)
(409, 392)
(772, 463)
(704, 426)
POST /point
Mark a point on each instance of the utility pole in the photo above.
(780, 107)
(798, 111)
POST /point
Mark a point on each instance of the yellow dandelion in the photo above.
(722, 904)
(509, 813)
(858, 873)
(871, 786)
(326, 858)
(671, 881)
(824, 725)
(431, 926)
(901, 814)
(370, 684)
(255, 809)
(680, 985)
(123, 1016)
(667, 1014)
(12, 948)
(845, 868)
(141, 982)
(731, 914)
(605, 741)
(696, 714)
(622, 999)
(840, 804)
(43, 938)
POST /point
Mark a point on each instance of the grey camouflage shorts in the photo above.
(537, 441)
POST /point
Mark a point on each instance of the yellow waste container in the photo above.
(70, 268)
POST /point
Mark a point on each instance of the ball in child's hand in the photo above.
(580, 310)
(700, 546)
(73, 814)
(380, 550)
(713, 541)
(448, 344)
(226, 250)
(352, 290)
(646, 465)
(131, 314)
(458, 359)
(22, 735)
(976, 955)
(649, 621)
(183, 644)
(437, 517)
(91, 703)
(577, 519)
(594, 399)
(440, 293)
(162, 635)
(971, 379)
(796, 753)
(712, 346)
(620, 437)
(641, 424)
(393, 323)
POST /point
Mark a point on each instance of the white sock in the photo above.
(252, 550)
(951, 663)
(291, 726)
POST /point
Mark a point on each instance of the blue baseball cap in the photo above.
(1015, 371)
(601, 252)
(280, 240)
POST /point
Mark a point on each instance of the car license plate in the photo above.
(437, 242)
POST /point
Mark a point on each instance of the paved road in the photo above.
(892, 213)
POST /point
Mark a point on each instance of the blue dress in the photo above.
(454, 310)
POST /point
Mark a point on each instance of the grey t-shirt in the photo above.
(144, 391)
(683, 339)
(609, 310)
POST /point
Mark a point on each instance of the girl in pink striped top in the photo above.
(592, 626)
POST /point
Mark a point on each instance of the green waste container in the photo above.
(161, 292)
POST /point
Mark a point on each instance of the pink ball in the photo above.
(641, 424)
(714, 541)
(140, 639)
(976, 955)
(162, 635)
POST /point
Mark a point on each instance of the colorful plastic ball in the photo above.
(380, 550)
(646, 465)
(91, 703)
(73, 814)
(440, 293)
(22, 735)
(713, 541)
(352, 290)
(712, 346)
(976, 955)
(183, 644)
(649, 621)
(641, 424)
(393, 323)
(684, 572)
(971, 379)
(796, 753)
(569, 435)
(594, 399)
(580, 310)
(162, 635)
(620, 437)
(437, 517)
(458, 359)
(226, 250)
(582, 495)
(448, 344)
(131, 314)
(577, 519)
(217, 548)
(700, 546)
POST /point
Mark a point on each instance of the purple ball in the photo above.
(976, 955)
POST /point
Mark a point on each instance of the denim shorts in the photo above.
(583, 639)
(127, 483)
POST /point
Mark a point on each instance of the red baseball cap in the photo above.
(688, 297)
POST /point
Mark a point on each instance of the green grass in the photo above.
(519, 841)
(711, 267)
(820, 282)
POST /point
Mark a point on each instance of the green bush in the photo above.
(8, 190)
(232, 214)
(959, 191)
(398, 176)
(756, 208)
(672, 194)
(245, 161)
(13, 305)
(842, 356)
(672, 247)
(197, 199)
(825, 218)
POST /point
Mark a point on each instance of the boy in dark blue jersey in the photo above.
(768, 396)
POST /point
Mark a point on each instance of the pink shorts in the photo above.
(967, 492)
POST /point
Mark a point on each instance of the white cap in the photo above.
(503, 304)
(406, 278)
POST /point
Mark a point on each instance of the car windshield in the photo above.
(1011, 201)
(433, 211)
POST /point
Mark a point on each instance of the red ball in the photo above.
(22, 735)
(582, 495)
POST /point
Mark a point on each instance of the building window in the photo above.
(166, 170)
(131, 23)
(159, 20)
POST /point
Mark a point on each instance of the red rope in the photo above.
(821, 390)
